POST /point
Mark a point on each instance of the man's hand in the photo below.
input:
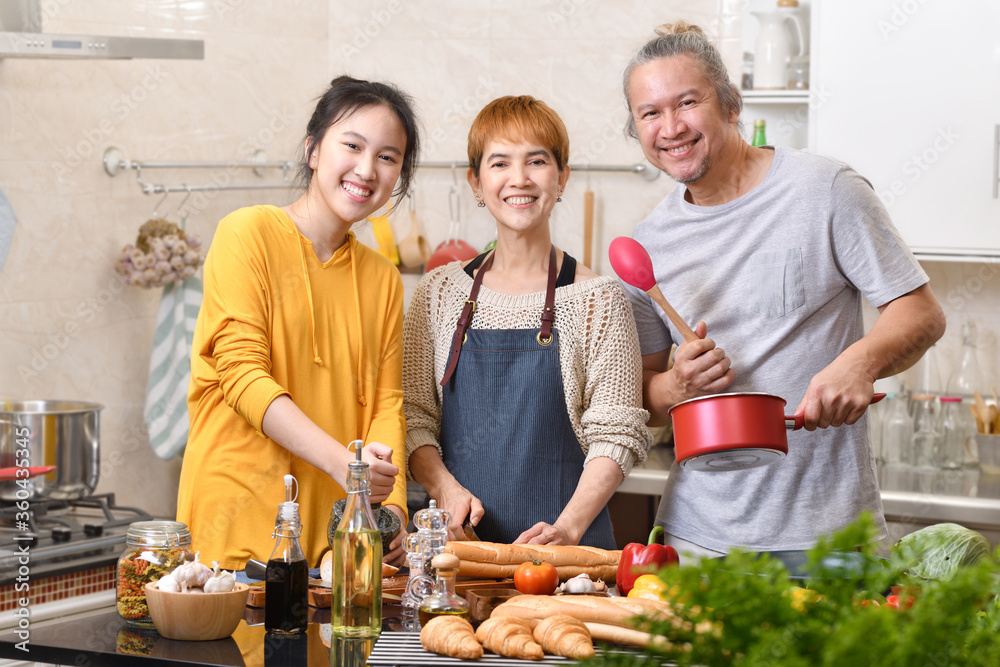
(700, 369)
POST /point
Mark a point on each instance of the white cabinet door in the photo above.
(908, 93)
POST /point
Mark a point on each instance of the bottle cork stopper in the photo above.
(445, 562)
(924, 397)
(788, 3)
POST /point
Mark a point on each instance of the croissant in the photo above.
(509, 637)
(565, 636)
(451, 636)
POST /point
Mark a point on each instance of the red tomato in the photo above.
(897, 601)
(536, 578)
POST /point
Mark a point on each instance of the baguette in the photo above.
(478, 570)
(496, 561)
(611, 611)
(615, 634)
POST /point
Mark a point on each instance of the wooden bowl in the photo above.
(196, 616)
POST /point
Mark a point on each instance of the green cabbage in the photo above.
(942, 548)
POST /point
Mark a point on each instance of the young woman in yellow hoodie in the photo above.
(298, 346)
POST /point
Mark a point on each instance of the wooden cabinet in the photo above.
(919, 118)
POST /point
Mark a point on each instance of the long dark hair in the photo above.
(345, 96)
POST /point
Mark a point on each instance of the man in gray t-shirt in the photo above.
(774, 249)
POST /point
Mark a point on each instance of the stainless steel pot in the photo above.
(64, 434)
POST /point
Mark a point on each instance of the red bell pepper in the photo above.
(638, 559)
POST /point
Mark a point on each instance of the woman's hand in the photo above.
(380, 469)
(396, 555)
(460, 502)
(545, 533)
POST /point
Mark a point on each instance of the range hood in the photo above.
(21, 36)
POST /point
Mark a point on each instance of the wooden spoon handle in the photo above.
(675, 319)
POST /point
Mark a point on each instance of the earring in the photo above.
(559, 195)
(479, 201)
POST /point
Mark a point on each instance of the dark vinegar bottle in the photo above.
(286, 602)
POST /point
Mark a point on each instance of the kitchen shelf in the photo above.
(775, 96)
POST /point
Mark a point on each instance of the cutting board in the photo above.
(319, 594)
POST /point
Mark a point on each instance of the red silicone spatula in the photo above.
(632, 264)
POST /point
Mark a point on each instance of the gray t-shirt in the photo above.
(778, 275)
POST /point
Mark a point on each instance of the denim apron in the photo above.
(505, 434)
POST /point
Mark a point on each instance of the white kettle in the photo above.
(775, 45)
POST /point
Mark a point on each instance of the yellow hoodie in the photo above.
(275, 320)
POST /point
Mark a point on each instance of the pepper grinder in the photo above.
(421, 547)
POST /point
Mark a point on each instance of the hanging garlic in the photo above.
(168, 583)
(220, 582)
(192, 574)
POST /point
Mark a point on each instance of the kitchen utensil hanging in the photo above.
(453, 248)
(414, 250)
(588, 225)
(383, 235)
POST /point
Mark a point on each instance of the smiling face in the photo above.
(519, 182)
(681, 125)
(357, 163)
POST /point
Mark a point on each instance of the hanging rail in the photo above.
(639, 169)
(115, 162)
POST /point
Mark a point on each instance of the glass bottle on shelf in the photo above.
(897, 432)
(444, 601)
(746, 81)
(928, 374)
(954, 431)
(926, 436)
(964, 382)
(759, 132)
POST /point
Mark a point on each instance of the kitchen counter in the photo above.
(102, 638)
(909, 496)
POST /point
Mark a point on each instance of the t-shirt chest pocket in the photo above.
(776, 282)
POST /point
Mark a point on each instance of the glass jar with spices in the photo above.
(152, 549)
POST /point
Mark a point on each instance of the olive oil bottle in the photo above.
(357, 559)
(444, 601)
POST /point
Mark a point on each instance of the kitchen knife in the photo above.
(470, 532)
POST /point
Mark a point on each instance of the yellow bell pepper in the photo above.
(649, 586)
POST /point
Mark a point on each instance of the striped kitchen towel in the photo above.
(170, 367)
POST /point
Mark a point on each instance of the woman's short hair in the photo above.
(347, 95)
(674, 39)
(518, 118)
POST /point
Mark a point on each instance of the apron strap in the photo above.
(544, 336)
(549, 313)
(465, 319)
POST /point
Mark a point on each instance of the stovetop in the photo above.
(63, 536)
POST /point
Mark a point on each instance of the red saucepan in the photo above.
(720, 432)
(733, 431)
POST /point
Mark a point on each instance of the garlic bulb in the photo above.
(579, 584)
(192, 574)
(168, 583)
(220, 582)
